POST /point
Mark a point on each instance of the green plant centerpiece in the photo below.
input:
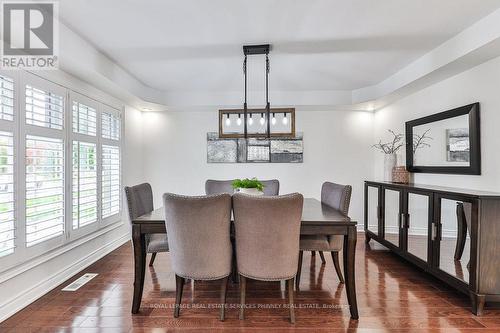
(249, 186)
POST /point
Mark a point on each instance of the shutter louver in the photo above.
(84, 184)
(110, 126)
(84, 119)
(110, 180)
(6, 98)
(44, 108)
(44, 189)
(7, 204)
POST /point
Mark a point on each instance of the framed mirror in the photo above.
(282, 123)
(446, 142)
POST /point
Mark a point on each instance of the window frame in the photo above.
(27, 129)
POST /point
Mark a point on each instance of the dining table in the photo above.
(317, 219)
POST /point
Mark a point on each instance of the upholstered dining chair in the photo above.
(267, 240)
(140, 202)
(198, 235)
(339, 197)
(271, 187)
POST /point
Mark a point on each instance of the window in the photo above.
(66, 147)
(44, 108)
(6, 98)
(110, 126)
(110, 180)
(7, 227)
(84, 184)
(84, 119)
(44, 189)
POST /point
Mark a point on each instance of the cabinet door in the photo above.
(452, 230)
(392, 198)
(417, 220)
(372, 211)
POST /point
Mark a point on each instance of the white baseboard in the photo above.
(13, 305)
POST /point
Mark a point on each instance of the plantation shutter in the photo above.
(44, 189)
(110, 180)
(84, 184)
(6, 98)
(110, 126)
(44, 108)
(7, 203)
(84, 119)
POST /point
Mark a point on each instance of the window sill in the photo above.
(15, 270)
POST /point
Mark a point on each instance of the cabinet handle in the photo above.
(402, 221)
(433, 231)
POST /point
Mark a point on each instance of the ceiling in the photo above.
(191, 45)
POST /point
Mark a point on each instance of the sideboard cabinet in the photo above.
(453, 234)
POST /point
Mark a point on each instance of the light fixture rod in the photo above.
(257, 50)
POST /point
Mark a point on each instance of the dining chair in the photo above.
(338, 197)
(140, 202)
(198, 235)
(267, 240)
(271, 187)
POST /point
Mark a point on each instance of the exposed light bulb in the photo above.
(262, 120)
(285, 119)
(238, 121)
(228, 121)
(273, 121)
(250, 121)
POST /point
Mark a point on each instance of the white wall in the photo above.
(336, 148)
(25, 283)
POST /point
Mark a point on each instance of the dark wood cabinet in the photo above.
(453, 234)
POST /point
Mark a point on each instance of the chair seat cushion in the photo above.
(314, 243)
(158, 243)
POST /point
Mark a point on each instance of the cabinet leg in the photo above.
(367, 238)
(477, 303)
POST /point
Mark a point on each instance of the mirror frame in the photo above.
(474, 167)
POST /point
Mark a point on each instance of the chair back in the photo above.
(139, 200)
(336, 196)
(267, 231)
(198, 235)
(218, 186)
(271, 187)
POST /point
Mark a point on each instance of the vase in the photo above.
(250, 191)
(389, 164)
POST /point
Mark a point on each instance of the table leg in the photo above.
(139, 242)
(350, 283)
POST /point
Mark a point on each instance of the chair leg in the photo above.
(223, 293)
(322, 257)
(243, 287)
(299, 270)
(313, 253)
(289, 284)
(179, 285)
(336, 263)
(153, 257)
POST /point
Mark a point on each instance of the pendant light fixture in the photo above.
(257, 50)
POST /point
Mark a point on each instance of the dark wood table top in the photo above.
(313, 213)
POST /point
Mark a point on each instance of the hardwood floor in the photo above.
(392, 296)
